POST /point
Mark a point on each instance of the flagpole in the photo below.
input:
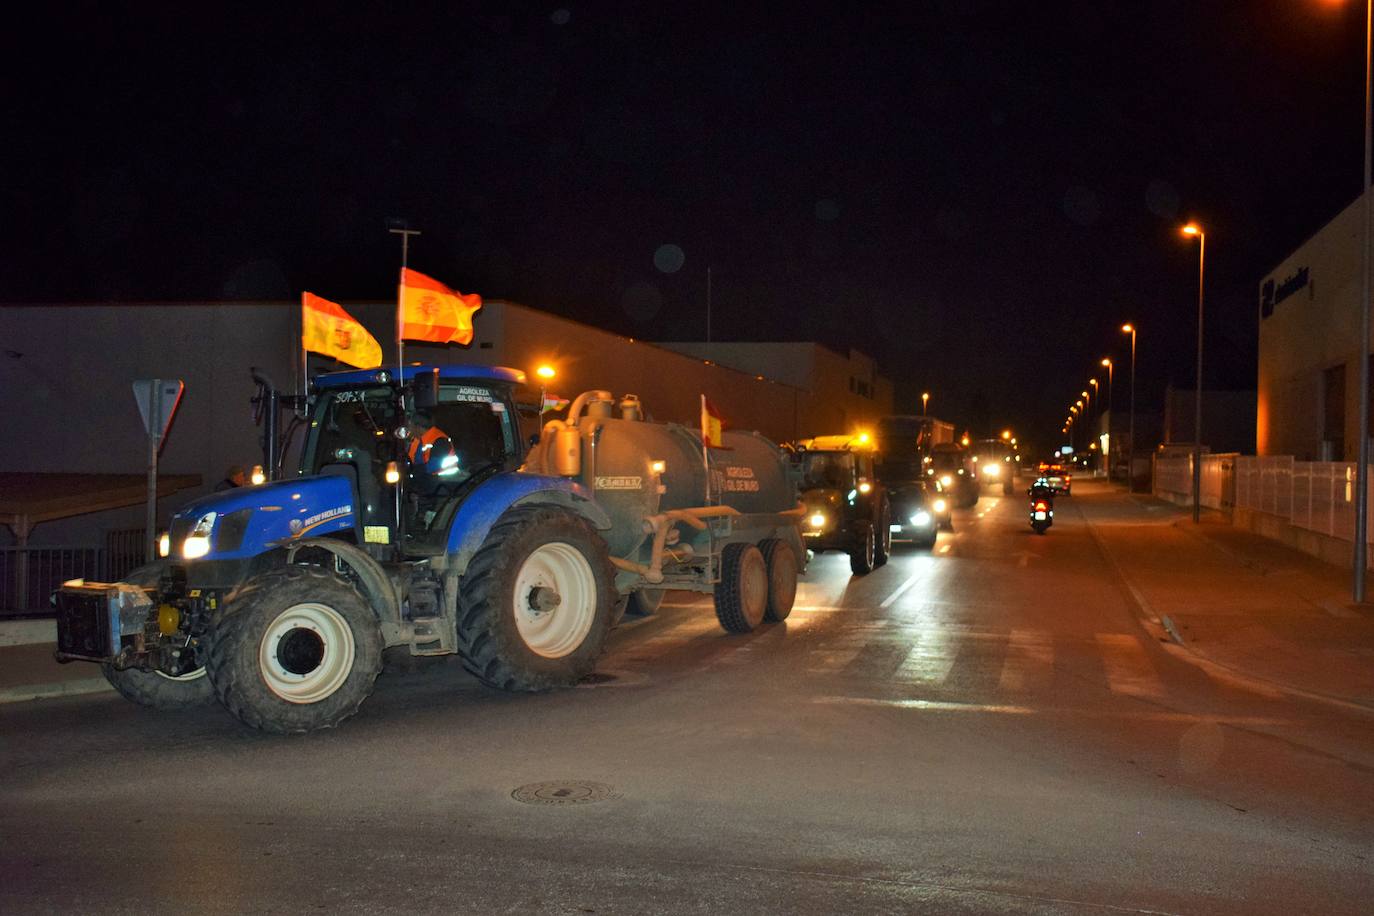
(405, 235)
(304, 378)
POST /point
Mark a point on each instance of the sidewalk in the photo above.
(29, 672)
(1241, 601)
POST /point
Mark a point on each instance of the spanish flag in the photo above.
(432, 312)
(328, 330)
(711, 424)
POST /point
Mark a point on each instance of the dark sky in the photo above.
(976, 193)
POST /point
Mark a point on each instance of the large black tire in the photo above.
(861, 557)
(781, 562)
(151, 688)
(882, 544)
(505, 639)
(645, 602)
(159, 691)
(742, 592)
(296, 649)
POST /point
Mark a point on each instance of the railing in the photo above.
(1314, 495)
(1218, 483)
(29, 575)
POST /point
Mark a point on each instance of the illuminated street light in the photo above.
(1111, 414)
(925, 400)
(545, 372)
(1195, 230)
(1006, 434)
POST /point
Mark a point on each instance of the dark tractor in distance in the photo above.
(847, 507)
(995, 464)
(952, 465)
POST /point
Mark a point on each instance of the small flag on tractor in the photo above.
(552, 402)
(430, 311)
(330, 331)
(711, 424)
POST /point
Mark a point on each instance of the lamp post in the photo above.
(1111, 415)
(1096, 430)
(1195, 229)
(1130, 435)
(1362, 469)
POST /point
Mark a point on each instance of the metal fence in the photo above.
(1313, 495)
(29, 575)
(1218, 483)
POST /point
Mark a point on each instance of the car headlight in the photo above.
(941, 505)
(991, 470)
(946, 480)
(197, 543)
(818, 520)
(920, 519)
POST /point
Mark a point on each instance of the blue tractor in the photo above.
(414, 520)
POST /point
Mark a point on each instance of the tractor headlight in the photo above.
(818, 520)
(197, 543)
(991, 470)
(920, 520)
(941, 505)
(946, 481)
(164, 544)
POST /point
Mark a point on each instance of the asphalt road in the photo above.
(987, 727)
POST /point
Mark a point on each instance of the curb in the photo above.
(57, 689)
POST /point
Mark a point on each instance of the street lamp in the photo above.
(1362, 469)
(1130, 443)
(1111, 414)
(925, 399)
(545, 373)
(1195, 229)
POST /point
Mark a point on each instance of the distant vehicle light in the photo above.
(947, 480)
(991, 470)
(920, 519)
(940, 505)
(865, 487)
(818, 520)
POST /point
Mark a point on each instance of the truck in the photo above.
(419, 517)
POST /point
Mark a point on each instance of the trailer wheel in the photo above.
(782, 578)
(742, 592)
(296, 649)
(861, 557)
(645, 602)
(882, 543)
(536, 601)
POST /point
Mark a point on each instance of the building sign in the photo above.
(1271, 293)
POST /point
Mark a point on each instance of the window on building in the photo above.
(1333, 411)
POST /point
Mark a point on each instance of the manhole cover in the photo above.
(564, 792)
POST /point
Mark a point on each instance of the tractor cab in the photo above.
(411, 452)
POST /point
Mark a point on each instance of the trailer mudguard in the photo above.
(480, 511)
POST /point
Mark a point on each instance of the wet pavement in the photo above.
(1002, 724)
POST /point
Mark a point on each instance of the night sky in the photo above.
(976, 193)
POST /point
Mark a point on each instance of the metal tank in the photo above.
(667, 527)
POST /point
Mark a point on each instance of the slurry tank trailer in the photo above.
(277, 600)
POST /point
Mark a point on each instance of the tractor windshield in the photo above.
(827, 470)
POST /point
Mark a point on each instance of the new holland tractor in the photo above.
(416, 519)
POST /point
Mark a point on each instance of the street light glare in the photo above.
(1106, 362)
(1192, 229)
(545, 372)
(1127, 329)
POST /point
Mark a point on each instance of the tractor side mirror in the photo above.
(427, 390)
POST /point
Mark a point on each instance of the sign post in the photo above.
(157, 402)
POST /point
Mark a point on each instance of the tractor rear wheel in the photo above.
(536, 601)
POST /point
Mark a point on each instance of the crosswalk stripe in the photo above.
(1030, 660)
(1129, 670)
(930, 660)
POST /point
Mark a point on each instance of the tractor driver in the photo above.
(428, 444)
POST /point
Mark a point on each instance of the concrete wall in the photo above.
(845, 391)
(66, 371)
(1228, 418)
(1314, 328)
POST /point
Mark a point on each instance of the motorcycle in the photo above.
(1041, 506)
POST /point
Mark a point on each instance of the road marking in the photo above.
(935, 705)
(1129, 670)
(1030, 660)
(831, 661)
(911, 580)
(1338, 610)
(944, 549)
(929, 660)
